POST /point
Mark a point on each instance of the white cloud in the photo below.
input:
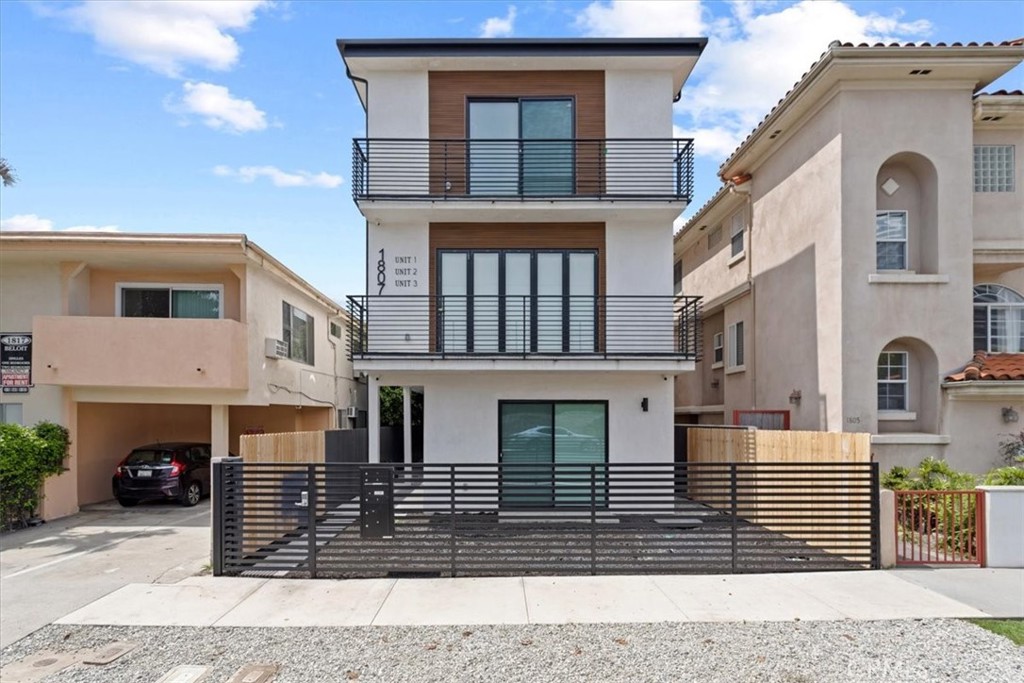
(165, 36)
(32, 223)
(28, 222)
(754, 56)
(496, 27)
(642, 18)
(218, 108)
(279, 178)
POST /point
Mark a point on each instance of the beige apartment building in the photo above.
(136, 339)
(868, 241)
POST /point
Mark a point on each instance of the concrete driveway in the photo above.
(51, 570)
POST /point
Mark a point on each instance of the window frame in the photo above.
(736, 352)
(310, 339)
(1006, 304)
(905, 241)
(12, 407)
(171, 287)
(905, 381)
(717, 350)
(737, 228)
(999, 180)
(677, 277)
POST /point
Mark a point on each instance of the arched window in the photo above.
(998, 319)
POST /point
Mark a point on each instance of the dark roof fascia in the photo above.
(522, 47)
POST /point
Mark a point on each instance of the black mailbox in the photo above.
(377, 503)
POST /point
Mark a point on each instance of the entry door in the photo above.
(536, 437)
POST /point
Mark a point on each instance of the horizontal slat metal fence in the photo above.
(940, 527)
(492, 519)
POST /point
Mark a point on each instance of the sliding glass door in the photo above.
(521, 146)
(528, 301)
(549, 447)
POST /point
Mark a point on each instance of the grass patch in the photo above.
(1009, 628)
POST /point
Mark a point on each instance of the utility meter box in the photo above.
(377, 502)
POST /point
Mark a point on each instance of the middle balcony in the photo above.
(657, 332)
(518, 169)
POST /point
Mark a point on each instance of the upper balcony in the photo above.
(521, 170)
(80, 351)
(659, 332)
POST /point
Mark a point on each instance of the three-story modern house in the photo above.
(519, 198)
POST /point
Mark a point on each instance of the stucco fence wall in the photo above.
(1004, 526)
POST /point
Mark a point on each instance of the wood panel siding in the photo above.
(516, 236)
(450, 92)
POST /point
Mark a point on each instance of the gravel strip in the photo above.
(790, 652)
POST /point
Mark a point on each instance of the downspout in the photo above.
(739, 185)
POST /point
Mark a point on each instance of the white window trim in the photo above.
(717, 343)
(735, 369)
(219, 288)
(737, 227)
(733, 260)
(905, 240)
(897, 414)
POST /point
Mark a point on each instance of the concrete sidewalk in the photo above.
(861, 595)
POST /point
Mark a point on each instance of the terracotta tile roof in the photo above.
(999, 367)
(1001, 93)
(1016, 42)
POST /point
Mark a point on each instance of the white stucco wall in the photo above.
(398, 108)
(461, 410)
(1004, 510)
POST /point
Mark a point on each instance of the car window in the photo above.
(148, 456)
(200, 454)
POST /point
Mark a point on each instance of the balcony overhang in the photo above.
(664, 365)
(389, 210)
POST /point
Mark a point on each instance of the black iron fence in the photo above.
(525, 326)
(351, 520)
(627, 169)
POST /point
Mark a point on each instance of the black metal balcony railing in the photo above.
(621, 169)
(524, 326)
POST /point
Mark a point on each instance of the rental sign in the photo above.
(15, 363)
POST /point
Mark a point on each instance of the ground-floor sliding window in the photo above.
(517, 301)
(535, 435)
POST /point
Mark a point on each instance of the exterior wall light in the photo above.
(643, 404)
(1010, 415)
(794, 397)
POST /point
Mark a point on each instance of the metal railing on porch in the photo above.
(940, 527)
(349, 520)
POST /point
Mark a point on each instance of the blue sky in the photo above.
(237, 117)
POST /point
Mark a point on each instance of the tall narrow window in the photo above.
(298, 333)
(892, 380)
(891, 240)
(736, 345)
(677, 277)
(718, 349)
(737, 233)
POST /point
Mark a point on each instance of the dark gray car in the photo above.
(178, 471)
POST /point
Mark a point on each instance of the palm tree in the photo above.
(7, 174)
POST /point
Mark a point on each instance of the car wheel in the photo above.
(193, 492)
(127, 502)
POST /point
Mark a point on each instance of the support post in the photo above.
(219, 435)
(373, 419)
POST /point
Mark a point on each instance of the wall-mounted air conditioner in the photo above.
(352, 412)
(275, 348)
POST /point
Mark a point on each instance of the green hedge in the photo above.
(28, 455)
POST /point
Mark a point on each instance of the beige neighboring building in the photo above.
(143, 338)
(868, 241)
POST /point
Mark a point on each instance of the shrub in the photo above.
(931, 474)
(28, 455)
(1005, 476)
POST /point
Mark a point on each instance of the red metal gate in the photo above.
(940, 527)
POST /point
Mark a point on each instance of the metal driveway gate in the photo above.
(353, 520)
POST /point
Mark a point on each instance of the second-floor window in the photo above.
(736, 345)
(521, 146)
(993, 168)
(998, 319)
(677, 277)
(718, 350)
(891, 240)
(736, 233)
(297, 326)
(170, 301)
